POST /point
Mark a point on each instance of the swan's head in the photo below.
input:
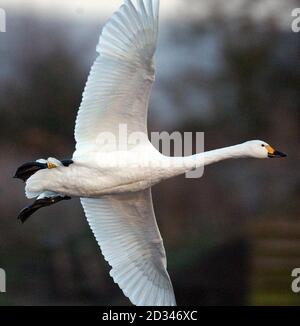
(261, 149)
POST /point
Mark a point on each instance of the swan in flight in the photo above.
(114, 180)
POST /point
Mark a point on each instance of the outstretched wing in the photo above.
(119, 85)
(125, 227)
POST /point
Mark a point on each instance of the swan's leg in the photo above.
(39, 203)
(67, 162)
(28, 169)
(25, 171)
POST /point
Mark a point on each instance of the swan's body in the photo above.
(115, 185)
(108, 173)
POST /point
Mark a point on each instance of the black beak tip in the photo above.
(280, 154)
(277, 154)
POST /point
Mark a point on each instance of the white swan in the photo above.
(114, 192)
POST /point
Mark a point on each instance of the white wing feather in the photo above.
(117, 92)
(120, 81)
(126, 230)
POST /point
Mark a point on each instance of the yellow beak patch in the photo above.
(270, 149)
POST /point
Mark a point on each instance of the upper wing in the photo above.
(126, 230)
(119, 85)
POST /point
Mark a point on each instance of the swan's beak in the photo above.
(272, 153)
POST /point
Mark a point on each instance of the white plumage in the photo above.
(117, 197)
(126, 230)
(117, 92)
(118, 88)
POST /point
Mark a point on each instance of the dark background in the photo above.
(232, 237)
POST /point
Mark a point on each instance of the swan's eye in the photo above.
(262, 145)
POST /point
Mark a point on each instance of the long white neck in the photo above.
(221, 154)
(192, 162)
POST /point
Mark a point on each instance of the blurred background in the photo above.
(230, 69)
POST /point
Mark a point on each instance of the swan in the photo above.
(114, 184)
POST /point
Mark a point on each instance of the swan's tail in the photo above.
(26, 172)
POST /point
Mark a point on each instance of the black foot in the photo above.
(67, 162)
(39, 203)
(28, 169)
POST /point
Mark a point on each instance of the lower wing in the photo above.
(126, 230)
